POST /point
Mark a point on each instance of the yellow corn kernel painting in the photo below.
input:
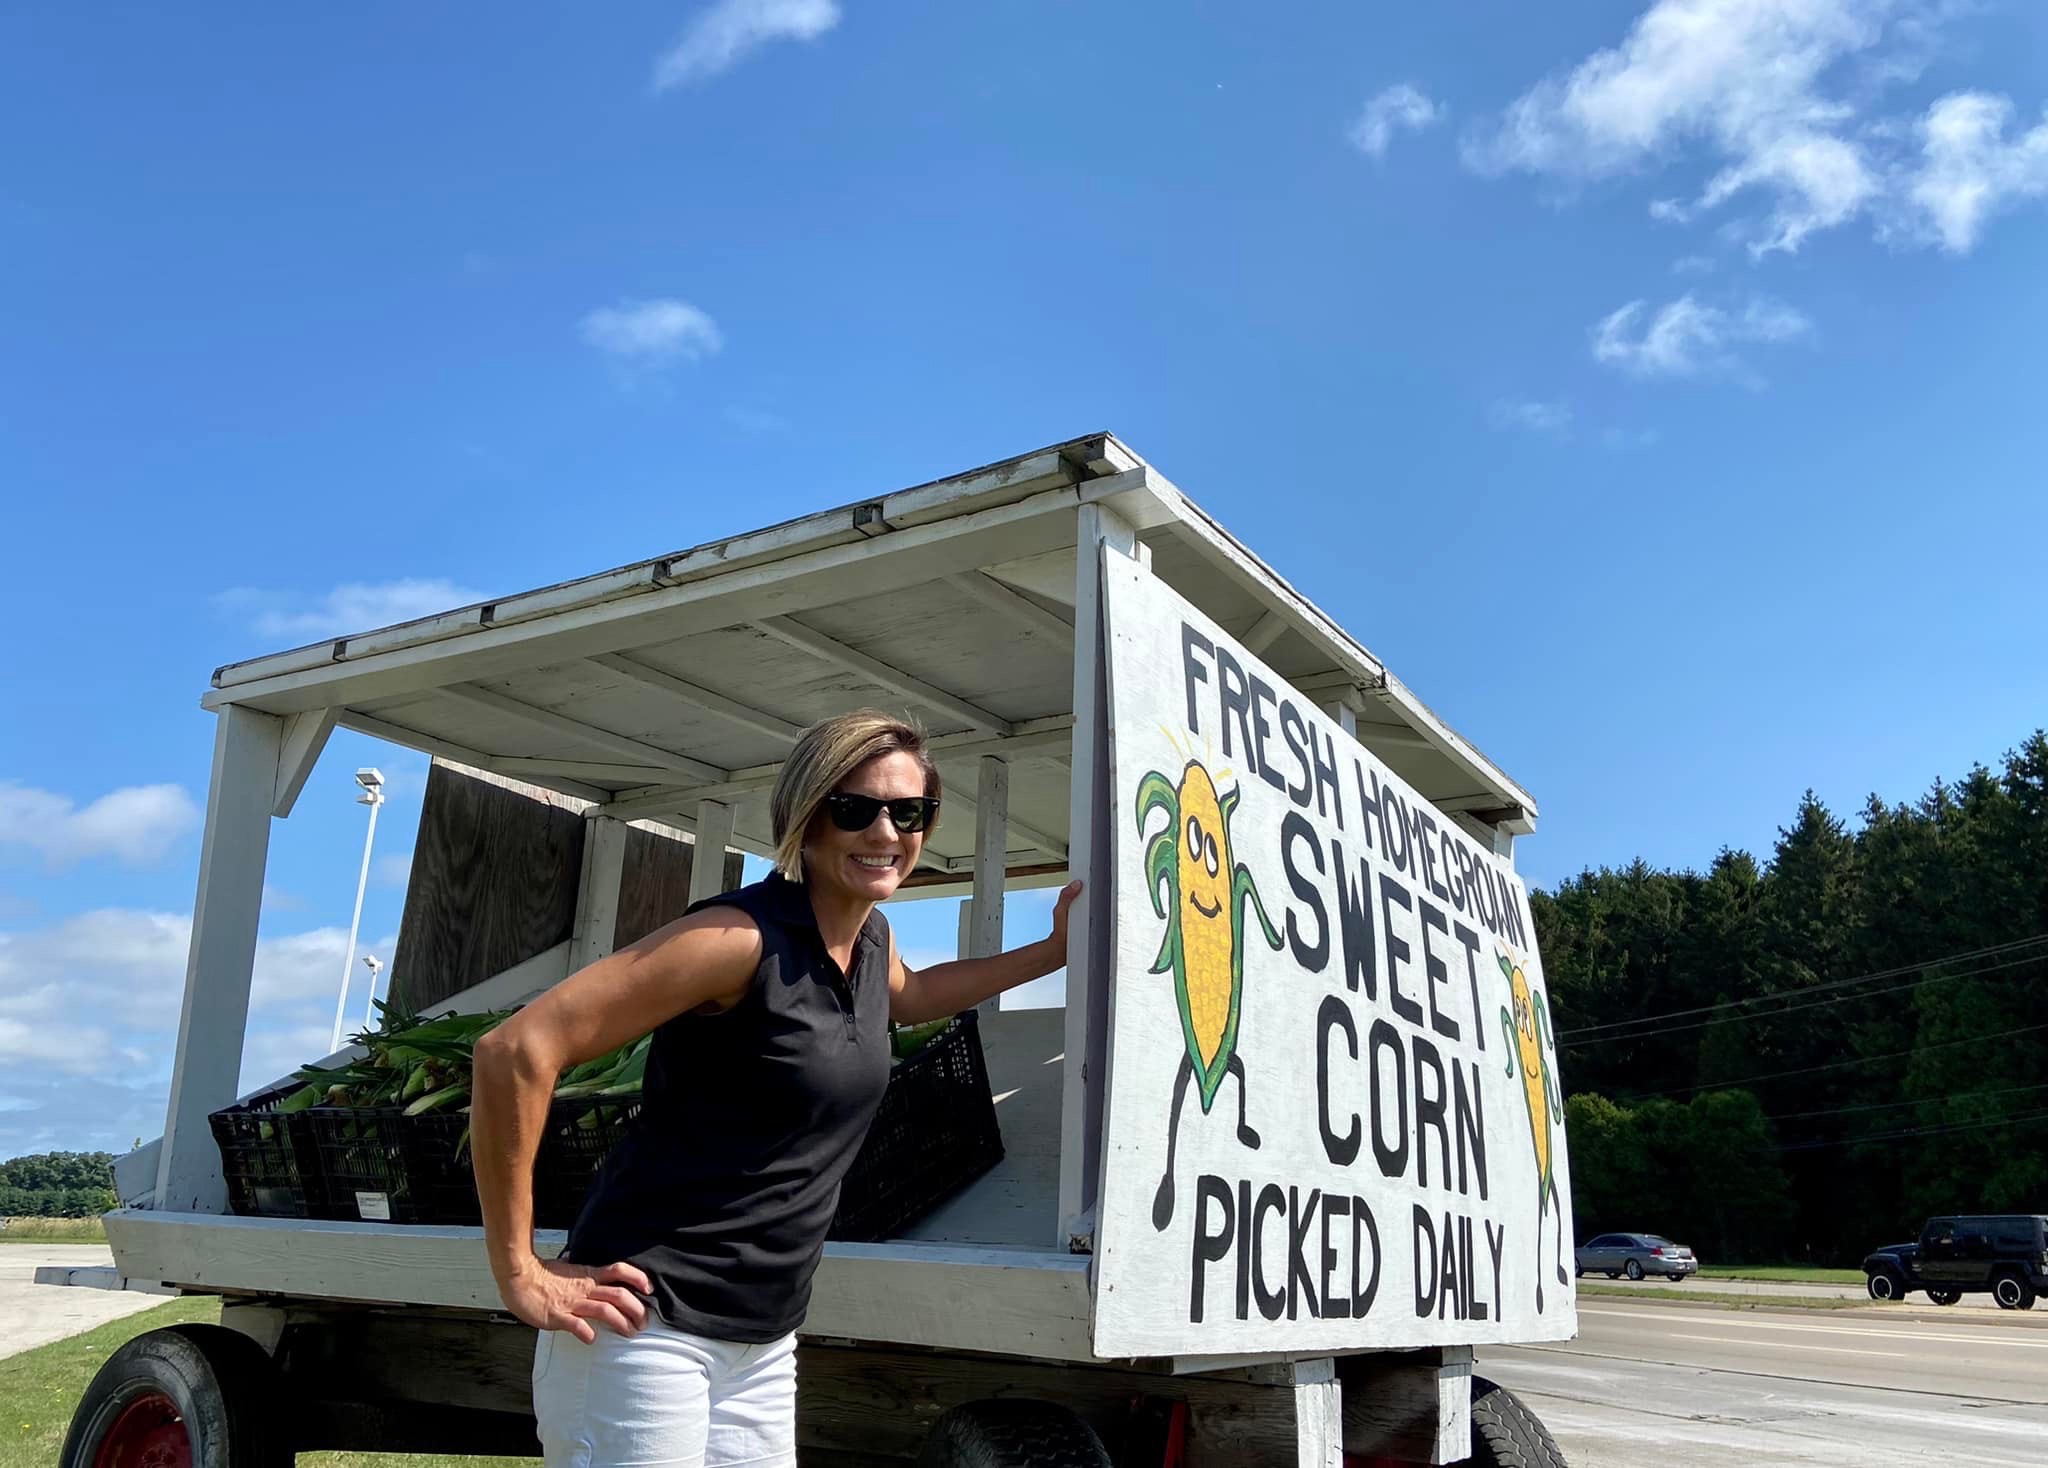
(1525, 1021)
(1201, 890)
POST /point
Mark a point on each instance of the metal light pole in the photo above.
(374, 964)
(372, 782)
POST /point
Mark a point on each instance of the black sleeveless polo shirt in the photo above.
(725, 1186)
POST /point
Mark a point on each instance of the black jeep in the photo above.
(2006, 1254)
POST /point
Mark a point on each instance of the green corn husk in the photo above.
(908, 1040)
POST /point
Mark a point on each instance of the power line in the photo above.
(1915, 1101)
(1800, 994)
(1778, 1075)
(1995, 949)
(1932, 1131)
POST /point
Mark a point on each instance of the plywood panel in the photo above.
(494, 880)
(656, 886)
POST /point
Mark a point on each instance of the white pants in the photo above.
(664, 1399)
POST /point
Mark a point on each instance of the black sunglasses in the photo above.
(852, 812)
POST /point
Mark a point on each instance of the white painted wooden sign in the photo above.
(1334, 1119)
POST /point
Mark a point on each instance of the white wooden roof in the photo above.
(683, 678)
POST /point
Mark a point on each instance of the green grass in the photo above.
(1783, 1273)
(53, 1231)
(40, 1388)
(1719, 1300)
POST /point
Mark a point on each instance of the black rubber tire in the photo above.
(1506, 1434)
(1632, 1269)
(1944, 1297)
(2013, 1291)
(1012, 1434)
(1885, 1286)
(222, 1385)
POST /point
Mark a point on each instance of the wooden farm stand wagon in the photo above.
(1284, 1158)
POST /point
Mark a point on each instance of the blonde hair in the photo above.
(827, 753)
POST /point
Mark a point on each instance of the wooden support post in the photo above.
(964, 947)
(707, 862)
(305, 735)
(597, 901)
(1090, 940)
(1504, 844)
(218, 966)
(991, 869)
(1318, 1416)
(1345, 715)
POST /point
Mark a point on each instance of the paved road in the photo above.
(34, 1315)
(1701, 1388)
(1981, 1301)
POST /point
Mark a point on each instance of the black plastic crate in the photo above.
(269, 1170)
(440, 1175)
(934, 1134)
(578, 1137)
(361, 1160)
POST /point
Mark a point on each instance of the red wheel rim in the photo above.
(149, 1433)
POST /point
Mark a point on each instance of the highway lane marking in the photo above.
(1886, 1334)
(1729, 1340)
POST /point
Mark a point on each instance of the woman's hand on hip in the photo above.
(555, 1295)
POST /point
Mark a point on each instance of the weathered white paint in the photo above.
(991, 864)
(1414, 980)
(707, 862)
(946, 1296)
(597, 899)
(623, 618)
(1319, 1424)
(551, 722)
(523, 767)
(1102, 536)
(1263, 633)
(305, 736)
(232, 855)
(1013, 604)
(745, 715)
(459, 753)
(881, 674)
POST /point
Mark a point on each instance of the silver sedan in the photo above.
(1636, 1255)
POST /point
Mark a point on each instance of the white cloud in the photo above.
(393, 869)
(137, 824)
(1552, 418)
(1969, 171)
(1398, 108)
(1693, 265)
(1688, 337)
(353, 607)
(725, 33)
(650, 333)
(89, 1009)
(1778, 96)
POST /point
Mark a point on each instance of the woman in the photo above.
(668, 1325)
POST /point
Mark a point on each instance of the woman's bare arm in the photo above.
(917, 995)
(703, 961)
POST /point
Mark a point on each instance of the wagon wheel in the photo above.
(1506, 1434)
(1012, 1434)
(189, 1396)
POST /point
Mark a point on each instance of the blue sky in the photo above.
(1654, 385)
